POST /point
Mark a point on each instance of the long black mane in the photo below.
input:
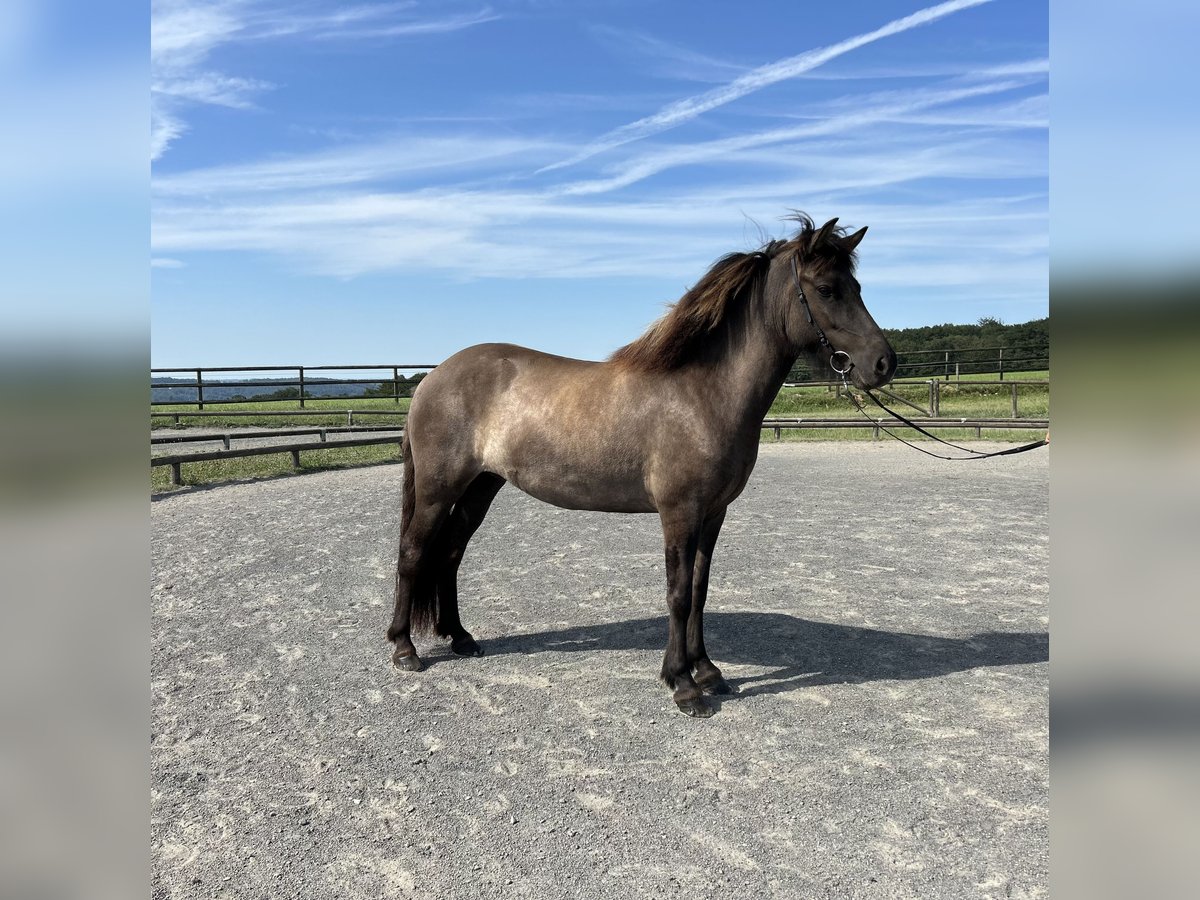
(707, 308)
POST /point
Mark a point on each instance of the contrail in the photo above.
(690, 107)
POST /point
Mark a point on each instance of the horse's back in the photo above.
(555, 427)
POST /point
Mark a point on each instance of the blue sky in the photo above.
(379, 182)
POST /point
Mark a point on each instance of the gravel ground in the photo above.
(884, 616)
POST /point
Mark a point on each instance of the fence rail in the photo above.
(933, 408)
(956, 362)
(300, 384)
(227, 437)
(778, 425)
(930, 415)
(923, 364)
(176, 461)
(294, 413)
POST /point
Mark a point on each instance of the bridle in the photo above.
(845, 364)
(824, 341)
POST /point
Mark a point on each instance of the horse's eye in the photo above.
(824, 290)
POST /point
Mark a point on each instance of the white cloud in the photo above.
(378, 161)
(653, 163)
(667, 59)
(457, 200)
(166, 262)
(690, 107)
(184, 34)
(497, 230)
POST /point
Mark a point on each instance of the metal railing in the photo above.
(301, 384)
(922, 364)
(956, 362)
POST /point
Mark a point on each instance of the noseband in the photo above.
(845, 364)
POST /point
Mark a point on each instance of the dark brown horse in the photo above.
(669, 424)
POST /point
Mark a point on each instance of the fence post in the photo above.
(932, 409)
(1014, 399)
(778, 432)
(295, 459)
(200, 388)
(946, 371)
(1002, 369)
(936, 409)
(176, 475)
(349, 417)
(396, 384)
(225, 440)
(876, 430)
(301, 368)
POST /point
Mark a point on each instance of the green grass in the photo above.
(272, 466)
(337, 413)
(958, 400)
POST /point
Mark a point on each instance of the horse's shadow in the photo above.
(800, 653)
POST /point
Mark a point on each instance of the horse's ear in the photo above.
(822, 234)
(853, 240)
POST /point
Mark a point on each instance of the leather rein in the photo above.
(840, 362)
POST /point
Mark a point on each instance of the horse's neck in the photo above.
(753, 369)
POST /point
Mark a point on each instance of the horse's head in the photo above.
(813, 275)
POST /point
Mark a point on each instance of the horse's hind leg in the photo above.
(464, 520)
(414, 591)
(708, 676)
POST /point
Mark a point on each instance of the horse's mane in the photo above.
(679, 336)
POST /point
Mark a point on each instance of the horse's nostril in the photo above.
(885, 366)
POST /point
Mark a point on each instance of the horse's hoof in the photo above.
(696, 707)
(716, 685)
(466, 647)
(408, 662)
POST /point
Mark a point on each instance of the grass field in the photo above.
(959, 399)
(249, 467)
(337, 413)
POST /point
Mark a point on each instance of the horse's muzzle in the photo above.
(877, 374)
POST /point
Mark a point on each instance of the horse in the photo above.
(668, 424)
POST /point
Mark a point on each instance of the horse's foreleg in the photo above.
(708, 676)
(464, 521)
(681, 537)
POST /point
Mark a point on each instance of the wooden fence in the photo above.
(929, 415)
(394, 436)
(176, 461)
(921, 364)
(301, 383)
(933, 409)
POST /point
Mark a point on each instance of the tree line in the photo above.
(972, 347)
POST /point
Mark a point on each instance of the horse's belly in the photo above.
(591, 477)
(574, 490)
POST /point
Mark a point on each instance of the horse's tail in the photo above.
(423, 605)
(408, 495)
